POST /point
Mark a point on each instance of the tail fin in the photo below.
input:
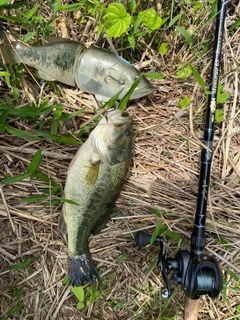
(7, 48)
(81, 269)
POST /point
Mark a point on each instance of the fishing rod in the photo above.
(196, 272)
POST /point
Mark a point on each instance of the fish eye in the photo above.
(127, 132)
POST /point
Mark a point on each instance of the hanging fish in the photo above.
(94, 70)
(94, 181)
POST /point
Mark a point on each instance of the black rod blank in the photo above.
(198, 239)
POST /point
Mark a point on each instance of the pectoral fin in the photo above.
(93, 171)
(62, 225)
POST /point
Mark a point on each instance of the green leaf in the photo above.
(175, 19)
(131, 40)
(31, 12)
(79, 293)
(34, 198)
(163, 48)
(122, 257)
(21, 134)
(28, 36)
(80, 305)
(14, 179)
(116, 20)
(3, 117)
(2, 2)
(184, 72)
(159, 230)
(156, 212)
(124, 100)
(172, 235)
(222, 96)
(132, 5)
(13, 19)
(233, 275)
(151, 19)
(24, 264)
(184, 102)
(197, 77)
(69, 201)
(154, 75)
(54, 127)
(219, 117)
(6, 75)
(36, 161)
(2, 127)
(185, 34)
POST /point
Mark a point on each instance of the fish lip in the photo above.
(141, 92)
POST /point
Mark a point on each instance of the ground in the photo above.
(163, 178)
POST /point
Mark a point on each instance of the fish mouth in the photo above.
(143, 89)
(141, 92)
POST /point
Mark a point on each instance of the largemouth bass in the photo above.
(94, 181)
(95, 70)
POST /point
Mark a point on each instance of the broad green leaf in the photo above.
(14, 179)
(163, 48)
(219, 117)
(222, 96)
(132, 5)
(184, 102)
(78, 292)
(185, 34)
(197, 77)
(80, 305)
(116, 20)
(151, 19)
(2, 2)
(36, 161)
(184, 72)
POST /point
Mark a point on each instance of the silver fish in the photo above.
(94, 181)
(95, 70)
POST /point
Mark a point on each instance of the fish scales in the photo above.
(94, 70)
(56, 60)
(94, 181)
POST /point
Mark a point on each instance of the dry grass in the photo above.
(163, 175)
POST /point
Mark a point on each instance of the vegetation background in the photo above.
(43, 124)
